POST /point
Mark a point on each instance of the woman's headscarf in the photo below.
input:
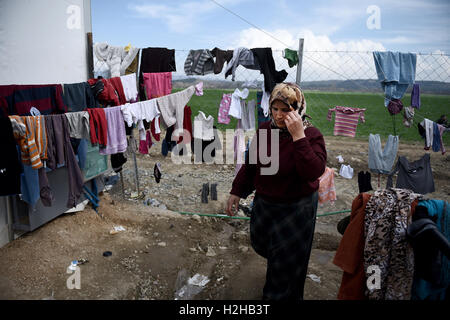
(291, 94)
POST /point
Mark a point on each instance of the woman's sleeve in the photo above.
(310, 155)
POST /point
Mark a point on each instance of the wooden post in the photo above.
(90, 57)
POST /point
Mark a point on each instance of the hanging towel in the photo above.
(224, 109)
(78, 124)
(157, 84)
(382, 161)
(79, 96)
(416, 176)
(129, 87)
(172, 108)
(346, 120)
(116, 136)
(235, 106)
(327, 189)
(98, 127)
(396, 71)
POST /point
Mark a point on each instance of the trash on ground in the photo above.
(198, 280)
(211, 252)
(107, 253)
(340, 159)
(117, 229)
(314, 278)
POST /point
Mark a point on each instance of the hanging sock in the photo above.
(205, 192)
(157, 172)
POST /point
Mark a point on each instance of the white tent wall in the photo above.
(44, 41)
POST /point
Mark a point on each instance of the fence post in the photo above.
(300, 60)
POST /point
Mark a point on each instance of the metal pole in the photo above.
(135, 163)
(300, 60)
(123, 187)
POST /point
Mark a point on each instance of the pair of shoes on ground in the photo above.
(205, 192)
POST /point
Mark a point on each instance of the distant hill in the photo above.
(360, 85)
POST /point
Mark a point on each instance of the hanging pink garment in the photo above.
(157, 84)
(224, 109)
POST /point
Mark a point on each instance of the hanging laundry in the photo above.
(429, 133)
(98, 127)
(146, 144)
(95, 163)
(116, 137)
(32, 141)
(205, 150)
(350, 253)
(117, 58)
(117, 162)
(396, 71)
(79, 96)
(415, 96)
(75, 178)
(10, 168)
(221, 56)
(395, 106)
(199, 89)
(129, 87)
(203, 127)
(157, 84)
(261, 116)
(408, 116)
(416, 176)
(291, 56)
(248, 115)
(382, 161)
(364, 181)
(155, 60)
(199, 62)
(136, 113)
(385, 224)
(21, 98)
(117, 85)
(172, 108)
(432, 261)
(104, 92)
(224, 109)
(327, 189)
(187, 135)
(438, 143)
(264, 59)
(241, 56)
(235, 106)
(346, 120)
(79, 125)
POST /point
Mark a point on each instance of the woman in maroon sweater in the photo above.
(284, 210)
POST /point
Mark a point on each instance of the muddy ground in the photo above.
(160, 248)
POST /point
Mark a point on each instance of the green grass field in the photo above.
(378, 119)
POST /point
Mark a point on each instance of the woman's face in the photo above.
(279, 112)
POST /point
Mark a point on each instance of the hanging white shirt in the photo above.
(138, 112)
(235, 106)
(203, 127)
(129, 87)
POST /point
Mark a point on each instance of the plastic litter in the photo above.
(340, 159)
(187, 288)
(314, 278)
(117, 229)
(346, 171)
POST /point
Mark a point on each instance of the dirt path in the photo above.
(158, 246)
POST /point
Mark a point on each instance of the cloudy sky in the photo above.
(354, 25)
(407, 25)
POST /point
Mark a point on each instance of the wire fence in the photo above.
(325, 77)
